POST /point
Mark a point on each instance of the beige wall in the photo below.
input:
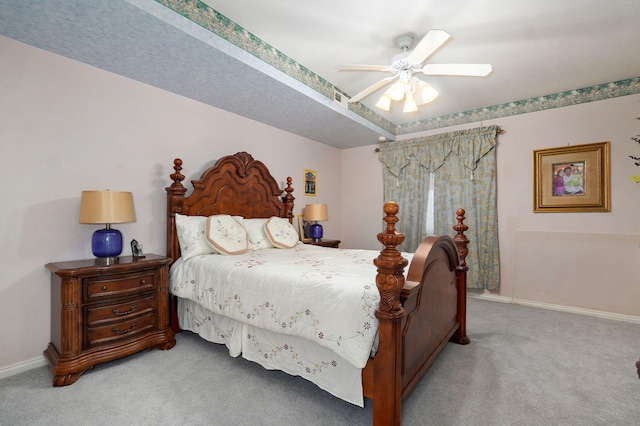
(66, 127)
(586, 261)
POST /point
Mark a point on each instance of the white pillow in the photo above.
(226, 235)
(191, 236)
(255, 233)
(281, 233)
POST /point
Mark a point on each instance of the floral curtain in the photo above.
(463, 167)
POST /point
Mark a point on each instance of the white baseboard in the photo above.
(12, 370)
(562, 308)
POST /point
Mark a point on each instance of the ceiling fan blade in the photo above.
(429, 44)
(366, 92)
(358, 67)
(472, 70)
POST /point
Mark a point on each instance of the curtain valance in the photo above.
(431, 152)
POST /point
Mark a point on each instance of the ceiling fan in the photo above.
(403, 67)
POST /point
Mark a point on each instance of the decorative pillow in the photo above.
(256, 234)
(281, 233)
(226, 235)
(191, 236)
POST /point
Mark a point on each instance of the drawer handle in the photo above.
(117, 330)
(117, 312)
(143, 281)
(104, 288)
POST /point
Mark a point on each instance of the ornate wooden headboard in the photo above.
(237, 185)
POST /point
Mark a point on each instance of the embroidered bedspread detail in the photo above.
(327, 296)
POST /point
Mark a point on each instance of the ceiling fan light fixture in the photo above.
(410, 104)
(384, 103)
(403, 83)
(425, 93)
(396, 91)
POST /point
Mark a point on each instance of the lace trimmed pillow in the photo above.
(281, 233)
(191, 236)
(225, 235)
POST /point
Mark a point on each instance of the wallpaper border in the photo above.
(203, 15)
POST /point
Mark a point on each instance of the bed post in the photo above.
(287, 200)
(387, 400)
(462, 242)
(175, 199)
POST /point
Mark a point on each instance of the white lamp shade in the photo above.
(107, 207)
(425, 93)
(410, 104)
(396, 91)
(384, 103)
(316, 212)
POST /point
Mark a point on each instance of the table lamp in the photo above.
(316, 213)
(106, 207)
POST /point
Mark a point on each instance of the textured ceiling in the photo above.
(537, 48)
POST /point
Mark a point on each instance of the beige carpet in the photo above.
(524, 366)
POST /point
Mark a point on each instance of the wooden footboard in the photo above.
(417, 317)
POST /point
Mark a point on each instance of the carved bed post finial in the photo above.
(287, 199)
(460, 239)
(177, 177)
(390, 263)
(175, 199)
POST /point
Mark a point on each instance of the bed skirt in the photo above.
(274, 351)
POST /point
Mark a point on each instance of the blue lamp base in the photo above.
(106, 245)
(316, 232)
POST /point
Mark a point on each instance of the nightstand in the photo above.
(325, 243)
(104, 312)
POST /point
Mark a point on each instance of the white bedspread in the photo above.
(327, 296)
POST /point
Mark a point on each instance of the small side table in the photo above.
(104, 312)
(325, 243)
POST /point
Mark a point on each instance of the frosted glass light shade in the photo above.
(384, 103)
(426, 93)
(396, 91)
(410, 104)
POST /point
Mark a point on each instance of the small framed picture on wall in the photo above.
(310, 182)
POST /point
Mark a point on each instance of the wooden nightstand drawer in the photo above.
(119, 311)
(120, 330)
(120, 285)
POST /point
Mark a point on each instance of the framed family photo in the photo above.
(573, 178)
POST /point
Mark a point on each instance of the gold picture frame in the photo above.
(303, 229)
(310, 179)
(586, 189)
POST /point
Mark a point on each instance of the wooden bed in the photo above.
(417, 317)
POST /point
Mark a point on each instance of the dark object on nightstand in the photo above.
(136, 250)
(104, 312)
(324, 243)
